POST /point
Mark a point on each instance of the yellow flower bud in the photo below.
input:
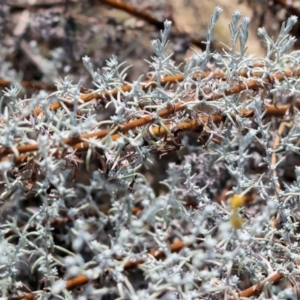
(237, 201)
(236, 220)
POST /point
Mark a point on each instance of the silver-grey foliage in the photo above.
(220, 257)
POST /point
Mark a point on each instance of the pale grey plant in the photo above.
(67, 218)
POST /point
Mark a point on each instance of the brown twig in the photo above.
(114, 92)
(79, 142)
(257, 288)
(150, 84)
(277, 111)
(126, 88)
(159, 130)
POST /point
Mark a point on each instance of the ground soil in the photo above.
(193, 16)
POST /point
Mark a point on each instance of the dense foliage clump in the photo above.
(182, 186)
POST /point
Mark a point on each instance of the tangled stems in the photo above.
(80, 143)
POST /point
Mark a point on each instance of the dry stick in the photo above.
(251, 84)
(79, 143)
(276, 111)
(125, 88)
(257, 288)
(158, 131)
(147, 84)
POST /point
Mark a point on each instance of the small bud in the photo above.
(237, 201)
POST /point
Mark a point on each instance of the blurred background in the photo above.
(42, 40)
